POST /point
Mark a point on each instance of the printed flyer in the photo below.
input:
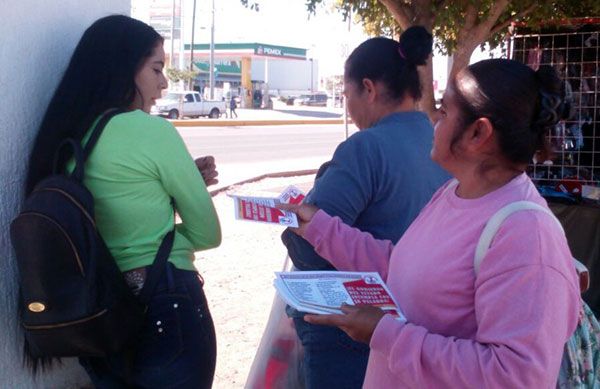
(261, 207)
(323, 292)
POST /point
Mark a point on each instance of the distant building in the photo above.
(240, 68)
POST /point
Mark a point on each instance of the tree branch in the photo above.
(400, 11)
(501, 26)
(473, 33)
(464, 33)
(422, 13)
(470, 16)
(498, 7)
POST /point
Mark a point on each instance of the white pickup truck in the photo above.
(178, 104)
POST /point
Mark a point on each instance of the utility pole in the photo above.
(172, 36)
(193, 32)
(181, 43)
(312, 66)
(345, 102)
(265, 99)
(211, 70)
(181, 51)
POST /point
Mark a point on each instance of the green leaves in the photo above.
(459, 26)
(176, 75)
(450, 18)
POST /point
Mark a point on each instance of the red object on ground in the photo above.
(571, 185)
(278, 364)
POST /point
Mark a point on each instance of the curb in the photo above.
(263, 176)
(252, 122)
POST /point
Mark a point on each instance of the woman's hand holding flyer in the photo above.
(265, 207)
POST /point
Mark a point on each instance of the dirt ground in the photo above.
(239, 282)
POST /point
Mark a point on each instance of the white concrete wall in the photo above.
(37, 38)
(287, 74)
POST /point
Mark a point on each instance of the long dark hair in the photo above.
(100, 75)
(393, 63)
(522, 104)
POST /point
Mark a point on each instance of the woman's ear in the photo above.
(480, 135)
(370, 89)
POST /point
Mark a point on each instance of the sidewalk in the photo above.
(283, 111)
(280, 114)
(239, 281)
(239, 274)
(231, 174)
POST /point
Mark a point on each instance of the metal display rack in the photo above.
(574, 51)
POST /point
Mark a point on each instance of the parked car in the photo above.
(300, 100)
(177, 104)
(313, 99)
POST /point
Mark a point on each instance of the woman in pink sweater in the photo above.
(505, 327)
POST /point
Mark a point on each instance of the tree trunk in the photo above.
(473, 33)
(424, 17)
(470, 35)
(461, 57)
(427, 102)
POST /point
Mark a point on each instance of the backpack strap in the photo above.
(77, 155)
(157, 268)
(160, 260)
(80, 154)
(451, 185)
(97, 131)
(493, 224)
(164, 251)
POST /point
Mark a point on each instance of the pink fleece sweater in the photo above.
(504, 329)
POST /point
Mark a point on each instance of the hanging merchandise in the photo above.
(572, 49)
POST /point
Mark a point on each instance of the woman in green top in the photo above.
(138, 165)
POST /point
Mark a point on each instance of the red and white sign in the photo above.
(263, 207)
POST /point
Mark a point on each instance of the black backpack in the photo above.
(74, 300)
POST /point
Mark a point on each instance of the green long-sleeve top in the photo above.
(139, 163)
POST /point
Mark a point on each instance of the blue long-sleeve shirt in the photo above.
(377, 181)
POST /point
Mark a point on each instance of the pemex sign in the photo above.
(279, 51)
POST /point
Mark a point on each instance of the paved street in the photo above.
(246, 151)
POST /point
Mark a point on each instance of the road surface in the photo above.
(245, 152)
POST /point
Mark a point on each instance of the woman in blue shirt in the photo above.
(377, 180)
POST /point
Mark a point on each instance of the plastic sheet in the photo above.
(278, 360)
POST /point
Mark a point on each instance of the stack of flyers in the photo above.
(291, 195)
(323, 292)
(261, 207)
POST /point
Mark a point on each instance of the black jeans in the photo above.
(176, 347)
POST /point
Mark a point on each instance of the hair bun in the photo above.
(550, 106)
(415, 45)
